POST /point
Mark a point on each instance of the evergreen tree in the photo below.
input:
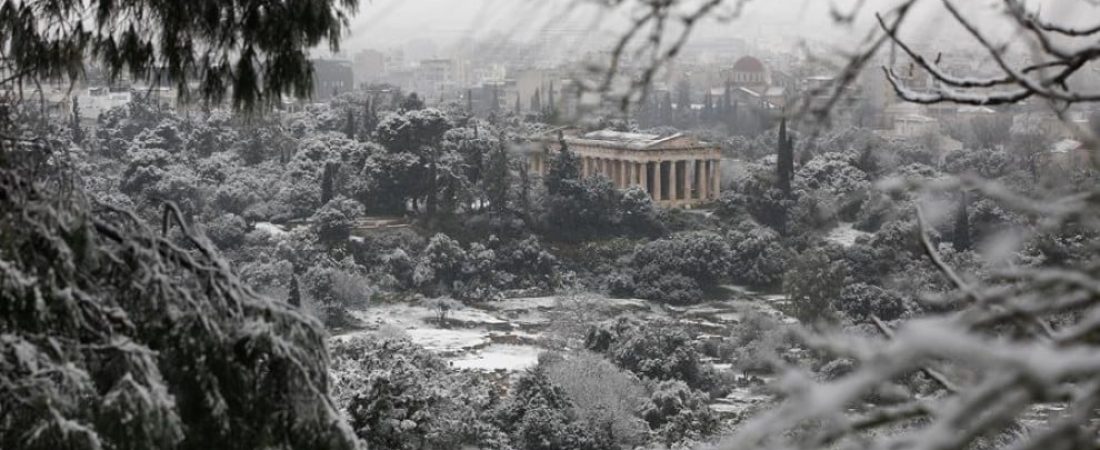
(565, 168)
(370, 119)
(536, 101)
(412, 103)
(683, 95)
(494, 108)
(708, 107)
(328, 178)
(784, 160)
(295, 296)
(349, 124)
(962, 223)
(74, 125)
(551, 106)
(666, 109)
(498, 179)
(470, 102)
(518, 110)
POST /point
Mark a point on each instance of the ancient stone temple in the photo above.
(676, 171)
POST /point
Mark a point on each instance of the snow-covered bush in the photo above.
(676, 269)
(399, 396)
(757, 257)
(659, 350)
(602, 394)
(862, 301)
(676, 413)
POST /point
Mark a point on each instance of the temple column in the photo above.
(658, 193)
(624, 173)
(715, 178)
(684, 176)
(701, 179)
(673, 182)
(628, 173)
(643, 176)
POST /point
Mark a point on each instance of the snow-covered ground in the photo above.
(510, 334)
(500, 357)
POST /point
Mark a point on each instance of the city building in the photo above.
(755, 84)
(332, 77)
(750, 73)
(369, 66)
(676, 170)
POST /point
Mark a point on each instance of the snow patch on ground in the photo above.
(448, 341)
(500, 357)
(845, 234)
(270, 228)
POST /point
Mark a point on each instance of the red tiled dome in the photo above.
(748, 64)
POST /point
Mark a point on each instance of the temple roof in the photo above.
(626, 141)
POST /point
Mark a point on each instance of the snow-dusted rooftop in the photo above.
(628, 141)
(619, 136)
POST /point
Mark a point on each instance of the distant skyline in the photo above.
(382, 24)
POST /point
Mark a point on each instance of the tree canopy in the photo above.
(254, 50)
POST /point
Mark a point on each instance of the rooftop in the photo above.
(748, 64)
(624, 140)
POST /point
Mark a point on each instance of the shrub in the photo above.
(677, 413)
(399, 396)
(860, 301)
(603, 395)
(676, 269)
(660, 350)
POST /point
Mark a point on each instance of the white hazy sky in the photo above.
(384, 23)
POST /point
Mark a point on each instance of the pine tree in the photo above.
(518, 110)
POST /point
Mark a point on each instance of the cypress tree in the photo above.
(784, 160)
(349, 125)
(962, 224)
(77, 131)
(551, 106)
(295, 297)
(564, 168)
(328, 178)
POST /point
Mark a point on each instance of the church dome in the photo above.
(748, 64)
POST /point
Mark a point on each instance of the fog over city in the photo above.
(550, 224)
